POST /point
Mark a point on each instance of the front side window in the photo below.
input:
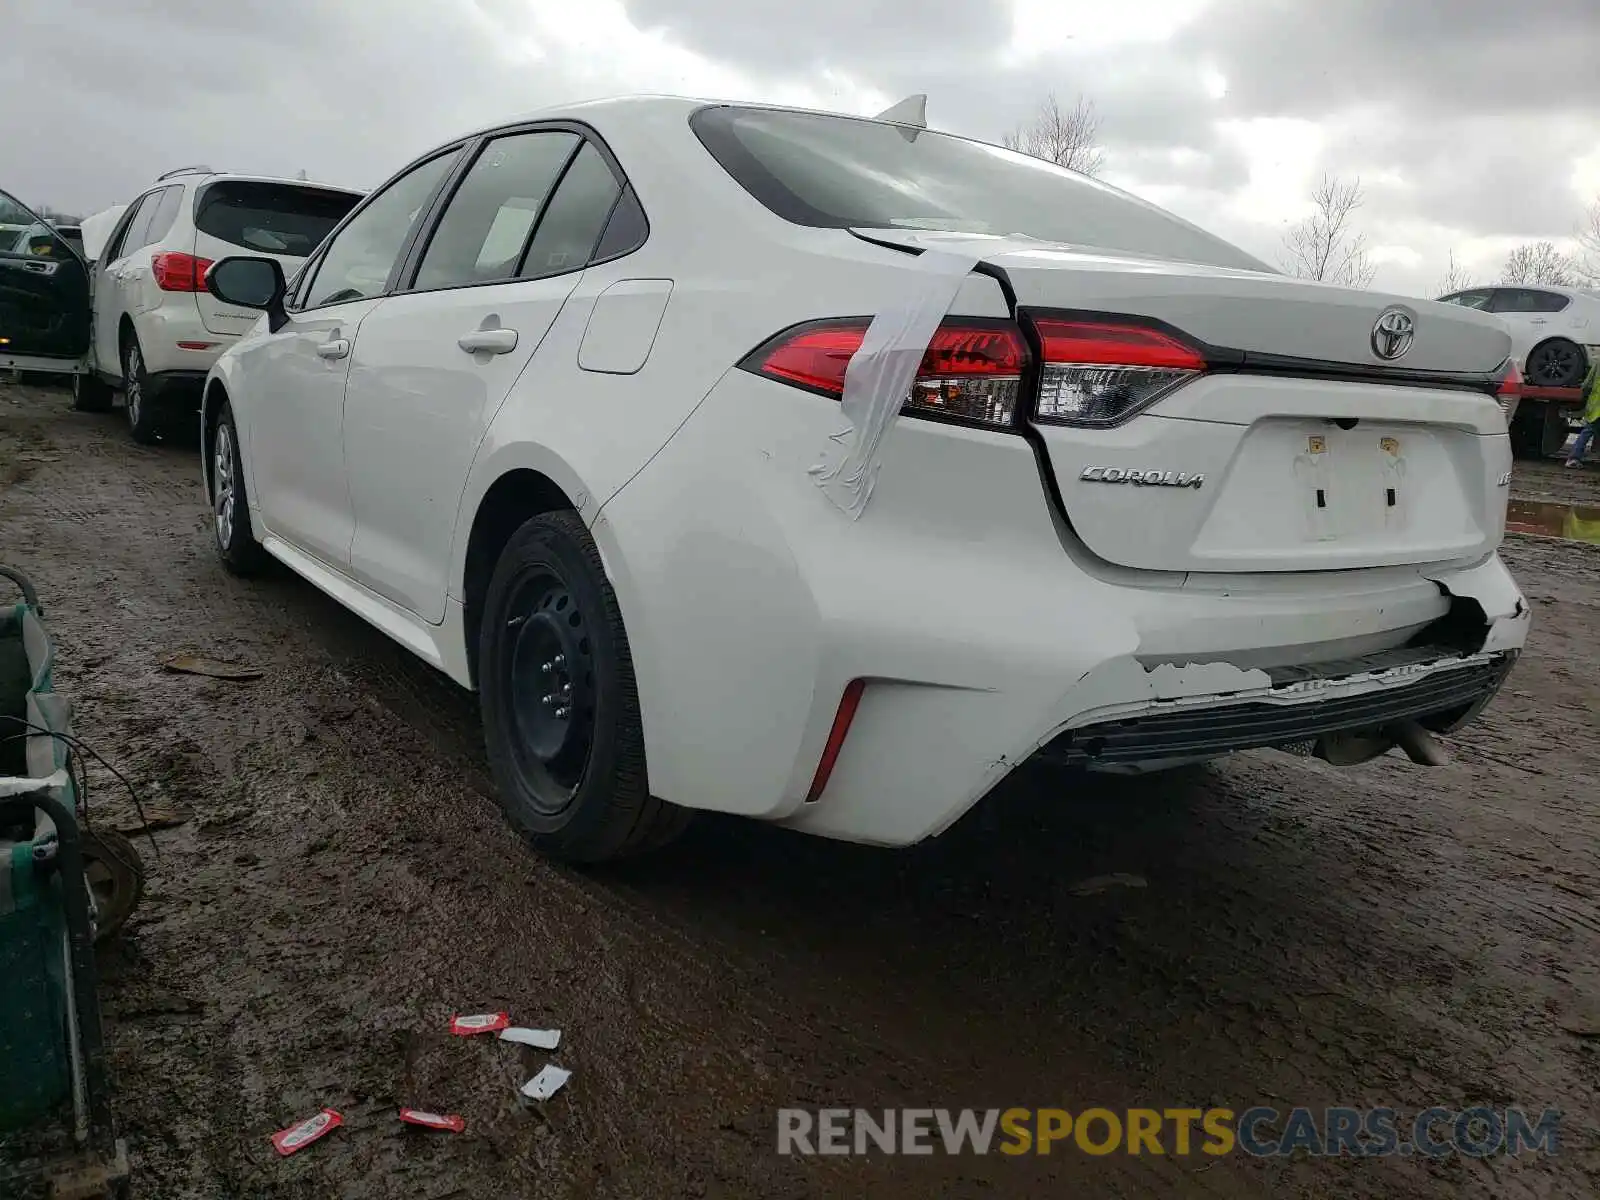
(1476, 298)
(848, 172)
(481, 236)
(361, 256)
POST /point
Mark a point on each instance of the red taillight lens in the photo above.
(1099, 374)
(178, 272)
(1511, 383)
(972, 369)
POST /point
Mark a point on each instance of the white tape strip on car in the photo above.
(880, 375)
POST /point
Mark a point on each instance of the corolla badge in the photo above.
(1393, 334)
(1142, 478)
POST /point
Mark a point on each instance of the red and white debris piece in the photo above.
(546, 1083)
(414, 1116)
(544, 1039)
(298, 1137)
(481, 1023)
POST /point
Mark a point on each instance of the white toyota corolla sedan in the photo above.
(823, 470)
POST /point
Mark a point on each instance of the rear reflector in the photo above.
(179, 272)
(972, 369)
(848, 703)
(195, 345)
(1098, 374)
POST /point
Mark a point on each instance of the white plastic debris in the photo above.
(546, 1083)
(880, 374)
(544, 1039)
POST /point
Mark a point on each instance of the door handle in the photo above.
(488, 341)
(334, 348)
(33, 266)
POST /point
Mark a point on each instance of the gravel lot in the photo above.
(335, 881)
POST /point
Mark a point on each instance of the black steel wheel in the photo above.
(1556, 363)
(560, 705)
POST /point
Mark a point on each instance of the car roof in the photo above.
(203, 176)
(649, 105)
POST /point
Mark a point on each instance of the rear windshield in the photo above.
(843, 172)
(274, 218)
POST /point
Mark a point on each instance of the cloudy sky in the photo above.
(1474, 124)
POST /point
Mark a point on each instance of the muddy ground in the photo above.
(335, 881)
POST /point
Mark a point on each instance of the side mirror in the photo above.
(250, 283)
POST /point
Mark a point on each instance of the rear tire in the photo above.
(138, 393)
(560, 704)
(1556, 363)
(236, 541)
(1538, 431)
(90, 393)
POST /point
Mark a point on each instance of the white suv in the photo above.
(156, 331)
(823, 470)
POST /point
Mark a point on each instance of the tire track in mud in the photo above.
(1382, 935)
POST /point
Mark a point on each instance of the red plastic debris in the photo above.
(482, 1023)
(298, 1137)
(413, 1116)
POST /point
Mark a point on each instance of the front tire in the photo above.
(236, 541)
(560, 704)
(90, 393)
(137, 393)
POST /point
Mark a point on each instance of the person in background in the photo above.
(1591, 415)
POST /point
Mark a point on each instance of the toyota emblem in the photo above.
(1393, 334)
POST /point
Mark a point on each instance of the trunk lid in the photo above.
(1301, 449)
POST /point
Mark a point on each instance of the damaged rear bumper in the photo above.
(974, 628)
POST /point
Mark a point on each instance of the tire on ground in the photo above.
(232, 532)
(607, 812)
(139, 394)
(90, 393)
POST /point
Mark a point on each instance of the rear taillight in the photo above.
(972, 369)
(1099, 374)
(179, 272)
(1510, 383)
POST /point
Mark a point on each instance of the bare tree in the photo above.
(1326, 245)
(1539, 262)
(1456, 278)
(1588, 258)
(1063, 136)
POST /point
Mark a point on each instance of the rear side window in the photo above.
(572, 222)
(844, 172)
(1528, 300)
(271, 218)
(163, 213)
(481, 236)
(133, 235)
(626, 230)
